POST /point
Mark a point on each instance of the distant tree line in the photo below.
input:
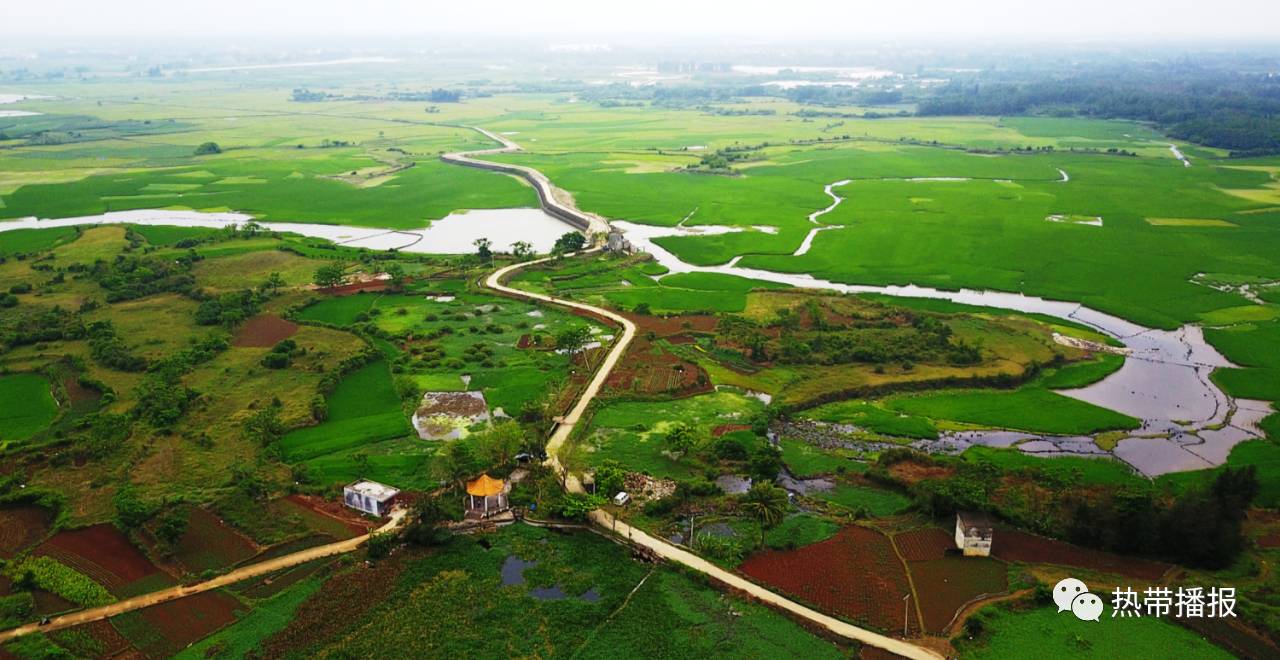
(1238, 113)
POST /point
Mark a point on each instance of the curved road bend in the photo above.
(181, 591)
(602, 518)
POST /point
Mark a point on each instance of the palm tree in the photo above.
(766, 503)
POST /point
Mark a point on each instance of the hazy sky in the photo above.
(1074, 20)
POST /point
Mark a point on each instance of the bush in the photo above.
(723, 548)
(208, 148)
(25, 287)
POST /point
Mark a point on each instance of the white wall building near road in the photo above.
(370, 497)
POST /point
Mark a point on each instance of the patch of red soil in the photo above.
(338, 604)
(210, 543)
(48, 603)
(186, 620)
(650, 369)
(109, 642)
(1016, 545)
(263, 331)
(354, 287)
(353, 521)
(854, 574)
(924, 544)
(946, 585)
(77, 394)
(729, 428)
(102, 552)
(672, 325)
(21, 527)
(910, 472)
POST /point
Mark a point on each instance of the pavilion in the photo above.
(486, 496)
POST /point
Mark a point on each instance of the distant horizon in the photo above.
(1007, 21)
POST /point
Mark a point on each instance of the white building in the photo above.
(370, 497)
(973, 533)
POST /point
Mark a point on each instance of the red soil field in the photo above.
(20, 527)
(335, 511)
(648, 369)
(170, 627)
(110, 643)
(925, 544)
(729, 428)
(672, 325)
(341, 600)
(1014, 545)
(210, 543)
(945, 585)
(354, 287)
(263, 331)
(102, 552)
(854, 574)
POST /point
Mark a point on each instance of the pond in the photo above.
(513, 574)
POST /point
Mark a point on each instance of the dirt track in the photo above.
(238, 575)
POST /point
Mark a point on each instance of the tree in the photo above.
(131, 510)
(610, 478)
(681, 439)
(331, 274)
(523, 250)
(571, 340)
(765, 463)
(576, 506)
(173, 524)
(484, 249)
(273, 284)
(501, 443)
(457, 463)
(766, 503)
(264, 426)
(396, 276)
(424, 526)
(380, 545)
(207, 148)
(569, 242)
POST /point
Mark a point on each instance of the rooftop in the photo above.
(379, 492)
(485, 486)
(975, 522)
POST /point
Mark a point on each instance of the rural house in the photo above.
(370, 497)
(973, 533)
(486, 496)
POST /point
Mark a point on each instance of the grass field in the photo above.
(633, 432)
(1027, 409)
(26, 406)
(363, 409)
(1041, 632)
(876, 502)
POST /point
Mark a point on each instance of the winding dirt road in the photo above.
(181, 591)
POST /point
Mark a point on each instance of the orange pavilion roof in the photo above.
(485, 486)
